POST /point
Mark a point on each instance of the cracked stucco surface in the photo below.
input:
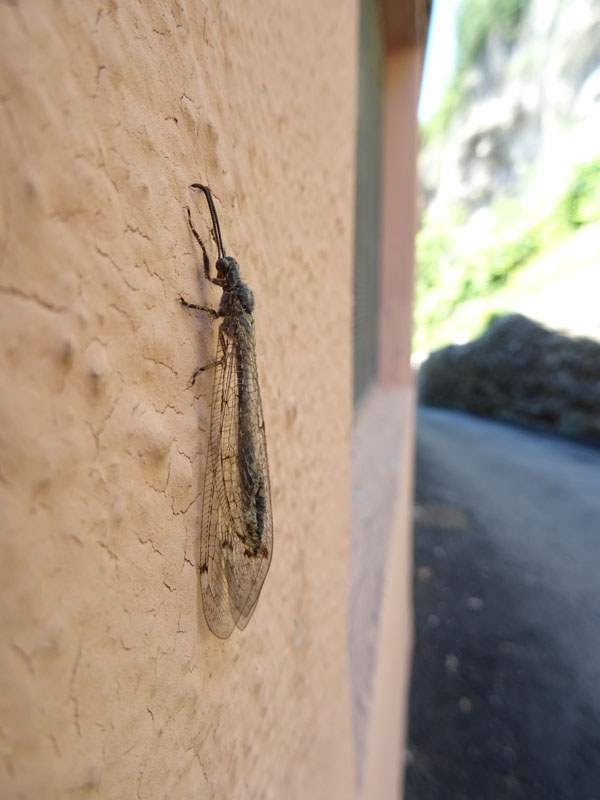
(111, 685)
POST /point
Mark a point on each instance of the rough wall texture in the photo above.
(111, 684)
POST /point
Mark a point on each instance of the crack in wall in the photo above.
(33, 298)
(72, 696)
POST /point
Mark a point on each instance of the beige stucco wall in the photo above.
(381, 619)
(383, 445)
(111, 684)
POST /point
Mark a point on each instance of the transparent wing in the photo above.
(237, 523)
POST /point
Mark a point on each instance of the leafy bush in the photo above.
(581, 202)
(507, 258)
(447, 279)
(431, 248)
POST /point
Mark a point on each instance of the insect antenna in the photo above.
(213, 216)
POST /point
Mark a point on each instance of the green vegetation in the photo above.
(452, 100)
(581, 203)
(458, 291)
(475, 21)
(468, 272)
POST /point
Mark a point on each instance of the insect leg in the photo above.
(202, 369)
(216, 363)
(196, 235)
(206, 309)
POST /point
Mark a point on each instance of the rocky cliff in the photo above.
(494, 179)
(530, 101)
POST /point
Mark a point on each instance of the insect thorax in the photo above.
(236, 299)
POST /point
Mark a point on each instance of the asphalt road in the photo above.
(505, 691)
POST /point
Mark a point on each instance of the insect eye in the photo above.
(222, 266)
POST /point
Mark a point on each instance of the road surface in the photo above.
(505, 692)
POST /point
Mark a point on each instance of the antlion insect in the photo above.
(237, 522)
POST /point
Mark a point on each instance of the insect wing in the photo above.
(216, 521)
(232, 567)
(248, 568)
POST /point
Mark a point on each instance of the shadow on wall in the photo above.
(521, 372)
